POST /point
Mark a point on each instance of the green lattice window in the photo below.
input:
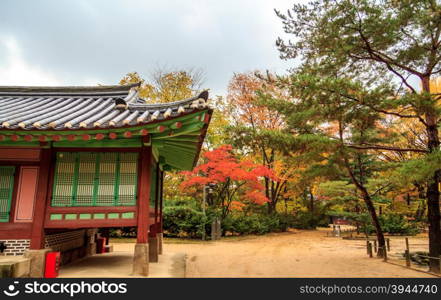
(6, 188)
(95, 179)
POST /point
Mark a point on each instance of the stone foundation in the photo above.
(160, 240)
(153, 249)
(91, 241)
(141, 260)
(37, 262)
(91, 249)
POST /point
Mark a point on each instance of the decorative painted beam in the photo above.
(176, 125)
(143, 132)
(56, 138)
(184, 130)
(99, 136)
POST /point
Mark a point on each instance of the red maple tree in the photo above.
(235, 182)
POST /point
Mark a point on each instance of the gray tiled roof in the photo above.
(64, 108)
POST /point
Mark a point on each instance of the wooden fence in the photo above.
(371, 247)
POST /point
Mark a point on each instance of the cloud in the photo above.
(14, 70)
(79, 42)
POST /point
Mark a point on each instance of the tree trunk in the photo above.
(421, 211)
(433, 215)
(380, 236)
(311, 209)
(273, 195)
(357, 210)
(370, 206)
(433, 207)
(267, 194)
(286, 200)
(271, 207)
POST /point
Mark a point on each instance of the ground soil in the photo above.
(293, 254)
(297, 253)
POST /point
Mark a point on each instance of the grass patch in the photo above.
(122, 240)
(184, 241)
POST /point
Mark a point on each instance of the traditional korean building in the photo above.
(77, 159)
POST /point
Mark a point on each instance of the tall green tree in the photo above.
(332, 132)
(384, 46)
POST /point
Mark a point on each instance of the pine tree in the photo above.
(379, 47)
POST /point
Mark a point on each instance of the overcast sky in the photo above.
(79, 42)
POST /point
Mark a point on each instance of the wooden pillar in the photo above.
(141, 255)
(153, 235)
(41, 200)
(157, 186)
(161, 204)
(159, 229)
(144, 181)
(152, 231)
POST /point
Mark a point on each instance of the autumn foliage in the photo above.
(242, 99)
(237, 182)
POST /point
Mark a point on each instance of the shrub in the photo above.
(306, 220)
(183, 221)
(183, 218)
(193, 203)
(256, 224)
(393, 224)
(397, 224)
(123, 232)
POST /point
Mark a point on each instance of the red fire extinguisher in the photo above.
(52, 265)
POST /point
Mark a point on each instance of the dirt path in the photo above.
(290, 254)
